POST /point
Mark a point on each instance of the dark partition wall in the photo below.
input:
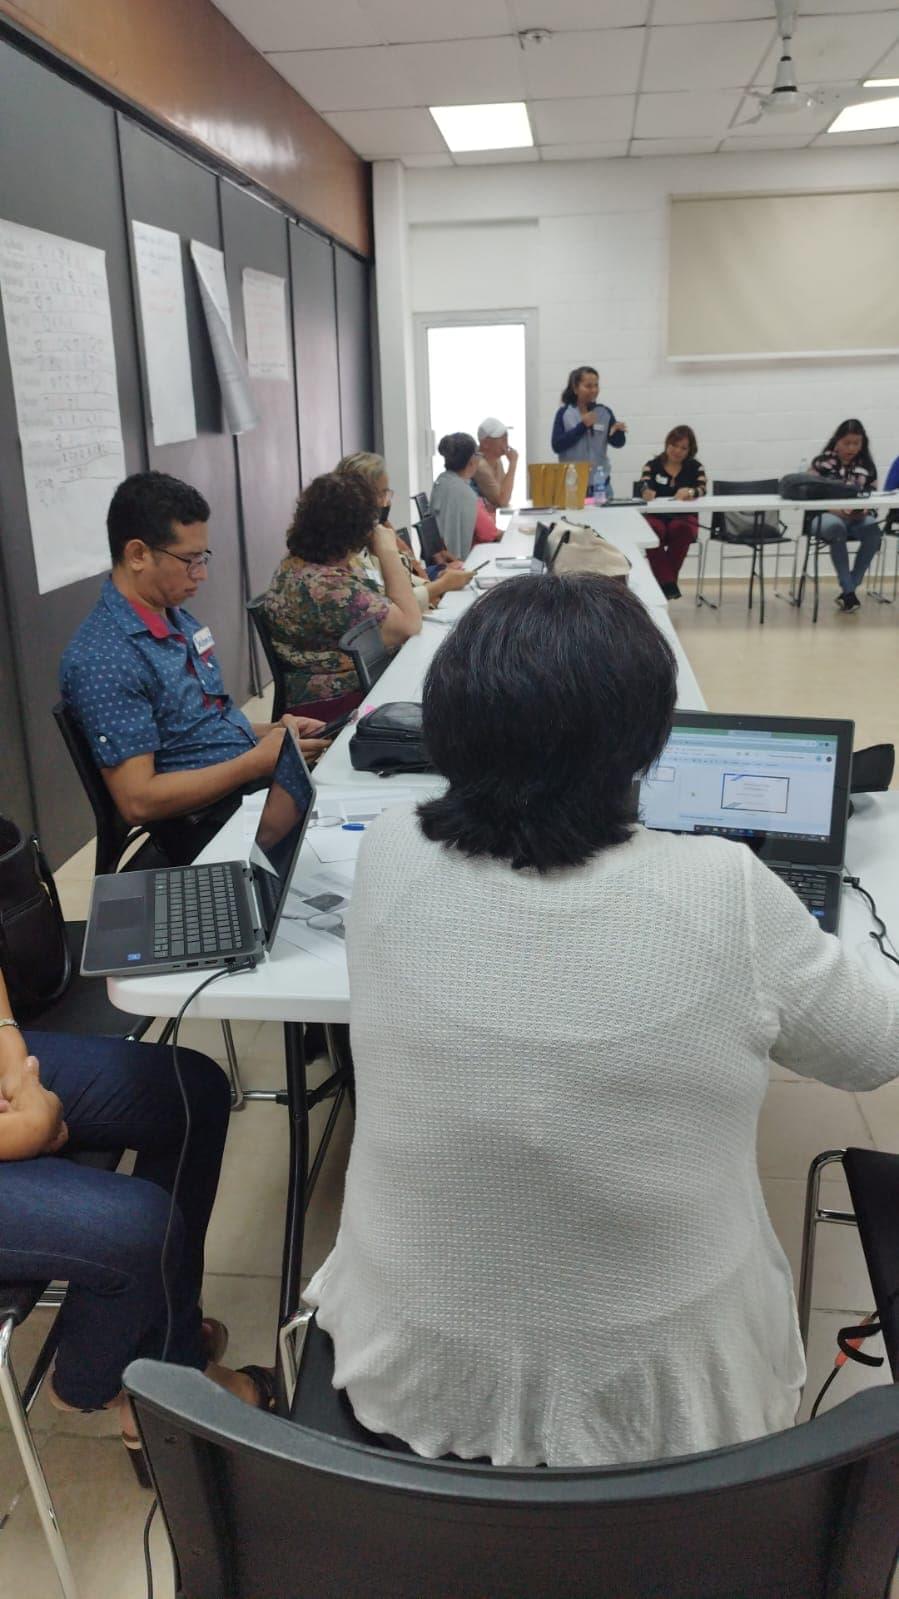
(315, 345)
(59, 172)
(16, 799)
(164, 187)
(354, 351)
(256, 236)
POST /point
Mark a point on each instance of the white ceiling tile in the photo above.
(584, 152)
(700, 115)
(674, 146)
(705, 55)
(581, 119)
(461, 73)
(602, 61)
(427, 161)
(381, 135)
(681, 11)
(347, 80)
(562, 15)
(399, 22)
(767, 141)
(809, 120)
(300, 24)
(493, 158)
(836, 48)
(887, 66)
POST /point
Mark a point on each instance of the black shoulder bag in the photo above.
(34, 952)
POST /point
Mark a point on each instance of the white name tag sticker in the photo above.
(204, 641)
(659, 479)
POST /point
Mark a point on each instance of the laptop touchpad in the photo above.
(114, 914)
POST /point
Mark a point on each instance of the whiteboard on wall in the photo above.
(777, 276)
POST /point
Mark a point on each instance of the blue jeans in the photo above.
(103, 1232)
(835, 531)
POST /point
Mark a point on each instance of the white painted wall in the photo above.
(585, 244)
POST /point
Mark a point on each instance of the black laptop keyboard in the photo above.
(810, 886)
(195, 912)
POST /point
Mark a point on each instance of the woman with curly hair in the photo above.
(320, 591)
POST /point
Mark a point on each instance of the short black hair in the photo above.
(853, 425)
(145, 506)
(334, 517)
(547, 699)
(457, 450)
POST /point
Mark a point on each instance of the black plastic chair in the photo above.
(17, 1301)
(757, 538)
(404, 534)
(873, 1181)
(422, 504)
(814, 544)
(114, 836)
(256, 1505)
(367, 651)
(257, 615)
(876, 587)
(430, 539)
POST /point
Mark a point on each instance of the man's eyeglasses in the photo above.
(194, 563)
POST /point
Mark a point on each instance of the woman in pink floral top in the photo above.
(320, 591)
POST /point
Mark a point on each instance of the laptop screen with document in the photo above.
(280, 833)
(779, 784)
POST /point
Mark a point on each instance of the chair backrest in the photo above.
(256, 609)
(429, 537)
(758, 485)
(367, 651)
(422, 504)
(541, 538)
(113, 832)
(257, 1505)
(873, 1179)
(404, 534)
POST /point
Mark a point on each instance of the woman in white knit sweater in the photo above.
(554, 1245)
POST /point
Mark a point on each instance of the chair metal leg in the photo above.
(291, 1338)
(815, 578)
(701, 598)
(720, 577)
(755, 556)
(238, 1097)
(761, 549)
(21, 1431)
(814, 1214)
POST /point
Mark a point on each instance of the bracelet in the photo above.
(9, 1021)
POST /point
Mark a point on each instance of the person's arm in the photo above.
(701, 487)
(507, 479)
(30, 1115)
(448, 583)
(617, 431)
(644, 487)
(564, 438)
(829, 1017)
(141, 794)
(403, 619)
(892, 479)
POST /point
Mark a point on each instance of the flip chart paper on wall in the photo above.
(265, 319)
(55, 300)
(160, 287)
(237, 396)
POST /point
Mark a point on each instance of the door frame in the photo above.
(421, 321)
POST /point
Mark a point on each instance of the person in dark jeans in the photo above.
(103, 1232)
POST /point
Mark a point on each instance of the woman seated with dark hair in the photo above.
(847, 458)
(554, 1245)
(675, 474)
(462, 516)
(320, 591)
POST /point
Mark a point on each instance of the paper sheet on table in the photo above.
(163, 315)
(351, 805)
(55, 300)
(237, 396)
(323, 896)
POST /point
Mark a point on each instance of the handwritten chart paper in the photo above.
(237, 396)
(265, 319)
(160, 285)
(55, 301)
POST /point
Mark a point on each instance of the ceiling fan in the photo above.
(785, 95)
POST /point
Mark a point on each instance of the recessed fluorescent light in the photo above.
(484, 127)
(870, 114)
(881, 83)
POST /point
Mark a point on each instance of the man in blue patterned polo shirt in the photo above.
(142, 679)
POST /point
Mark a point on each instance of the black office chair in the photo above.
(872, 1178)
(700, 547)
(256, 1505)
(877, 585)
(814, 544)
(430, 538)
(404, 534)
(421, 503)
(367, 651)
(752, 532)
(257, 615)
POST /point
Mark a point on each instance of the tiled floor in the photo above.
(844, 666)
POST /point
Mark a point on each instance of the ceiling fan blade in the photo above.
(750, 121)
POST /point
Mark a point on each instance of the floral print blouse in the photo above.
(309, 607)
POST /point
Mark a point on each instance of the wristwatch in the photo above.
(9, 1021)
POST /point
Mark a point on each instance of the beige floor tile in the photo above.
(101, 1512)
(880, 1111)
(840, 1278)
(796, 1124)
(249, 1308)
(822, 1350)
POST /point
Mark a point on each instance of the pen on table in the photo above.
(354, 827)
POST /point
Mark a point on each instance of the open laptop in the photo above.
(187, 918)
(777, 783)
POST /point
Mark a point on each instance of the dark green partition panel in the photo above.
(354, 351)
(315, 346)
(59, 171)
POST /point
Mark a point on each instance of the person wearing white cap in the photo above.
(492, 480)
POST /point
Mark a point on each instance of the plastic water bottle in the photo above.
(600, 486)
(571, 495)
(803, 464)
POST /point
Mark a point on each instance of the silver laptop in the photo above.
(779, 784)
(189, 918)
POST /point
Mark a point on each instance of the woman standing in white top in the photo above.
(554, 1245)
